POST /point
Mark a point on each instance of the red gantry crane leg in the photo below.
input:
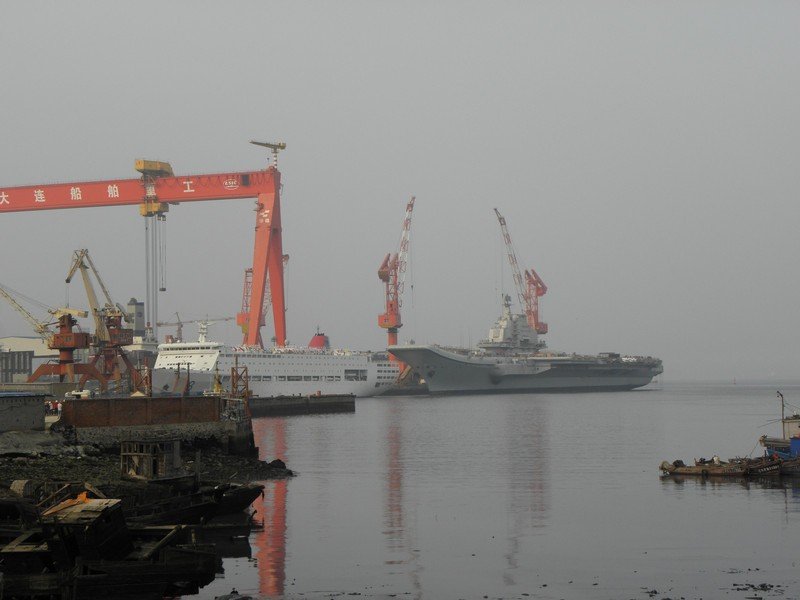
(267, 264)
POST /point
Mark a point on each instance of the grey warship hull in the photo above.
(451, 371)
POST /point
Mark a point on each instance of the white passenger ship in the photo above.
(272, 372)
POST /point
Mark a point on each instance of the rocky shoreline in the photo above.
(48, 457)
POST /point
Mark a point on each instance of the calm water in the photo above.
(523, 496)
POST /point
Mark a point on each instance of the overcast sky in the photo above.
(644, 155)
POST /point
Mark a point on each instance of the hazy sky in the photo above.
(643, 153)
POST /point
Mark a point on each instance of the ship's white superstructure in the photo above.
(272, 372)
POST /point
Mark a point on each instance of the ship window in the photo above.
(294, 378)
(355, 374)
(267, 377)
(329, 378)
(306, 377)
(315, 378)
(281, 378)
(255, 378)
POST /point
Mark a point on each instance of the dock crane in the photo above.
(82, 260)
(155, 191)
(66, 340)
(531, 289)
(110, 334)
(392, 273)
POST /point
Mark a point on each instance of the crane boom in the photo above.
(530, 288)
(42, 329)
(80, 259)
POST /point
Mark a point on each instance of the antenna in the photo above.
(274, 147)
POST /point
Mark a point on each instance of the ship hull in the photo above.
(447, 372)
(194, 367)
(167, 381)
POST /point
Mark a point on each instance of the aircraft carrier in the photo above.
(514, 359)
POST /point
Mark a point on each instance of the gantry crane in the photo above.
(155, 191)
(531, 289)
(392, 273)
(178, 324)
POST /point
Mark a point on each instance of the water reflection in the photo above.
(502, 466)
(397, 533)
(791, 485)
(528, 477)
(516, 441)
(271, 542)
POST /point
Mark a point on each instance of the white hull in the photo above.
(277, 372)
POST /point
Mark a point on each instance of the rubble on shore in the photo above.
(47, 456)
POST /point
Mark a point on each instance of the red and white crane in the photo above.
(531, 288)
(155, 191)
(392, 273)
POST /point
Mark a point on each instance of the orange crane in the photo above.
(531, 289)
(156, 190)
(392, 273)
(242, 318)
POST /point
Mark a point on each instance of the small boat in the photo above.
(790, 466)
(714, 467)
(233, 498)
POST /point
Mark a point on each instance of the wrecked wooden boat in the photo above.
(790, 467)
(148, 503)
(714, 467)
(16, 515)
(233, 498)
(83, 548)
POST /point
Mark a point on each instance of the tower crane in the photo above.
(392, 273)
(155, 191)
(178, 324)
(531, 288)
